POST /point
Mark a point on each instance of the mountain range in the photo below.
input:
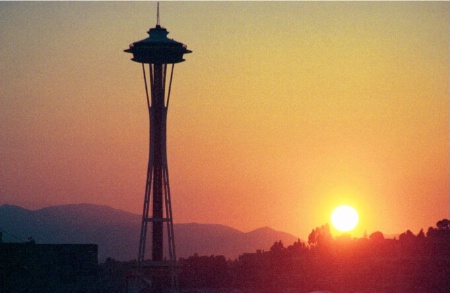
(116, 232)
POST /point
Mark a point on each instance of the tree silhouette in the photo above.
(420, 235)
(413, 264)
(443, 224)
(321, 236)
(407, 236)
(277, 247)
(376, 236)
(442, 229)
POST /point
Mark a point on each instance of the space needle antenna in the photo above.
(157, 13)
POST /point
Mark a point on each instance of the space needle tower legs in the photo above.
(159, 54)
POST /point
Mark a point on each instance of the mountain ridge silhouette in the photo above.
(117, 232)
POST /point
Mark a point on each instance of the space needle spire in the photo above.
(158, 56)
(157, 14)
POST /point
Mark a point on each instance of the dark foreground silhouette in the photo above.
(410, 263)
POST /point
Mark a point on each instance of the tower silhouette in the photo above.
(160, 54)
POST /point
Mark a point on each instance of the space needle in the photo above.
(158, 55)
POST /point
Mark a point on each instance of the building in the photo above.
(30, 267)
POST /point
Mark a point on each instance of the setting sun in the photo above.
(344, 218)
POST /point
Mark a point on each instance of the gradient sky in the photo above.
(282, 112)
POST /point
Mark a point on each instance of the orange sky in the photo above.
(282, 111)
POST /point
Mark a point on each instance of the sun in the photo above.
(344, 218)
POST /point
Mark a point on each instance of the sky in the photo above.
(283, 111)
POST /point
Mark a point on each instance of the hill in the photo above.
(117, 232)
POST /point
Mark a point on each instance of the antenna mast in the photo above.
(157, 13)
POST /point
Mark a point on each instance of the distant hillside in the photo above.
(117, 232)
